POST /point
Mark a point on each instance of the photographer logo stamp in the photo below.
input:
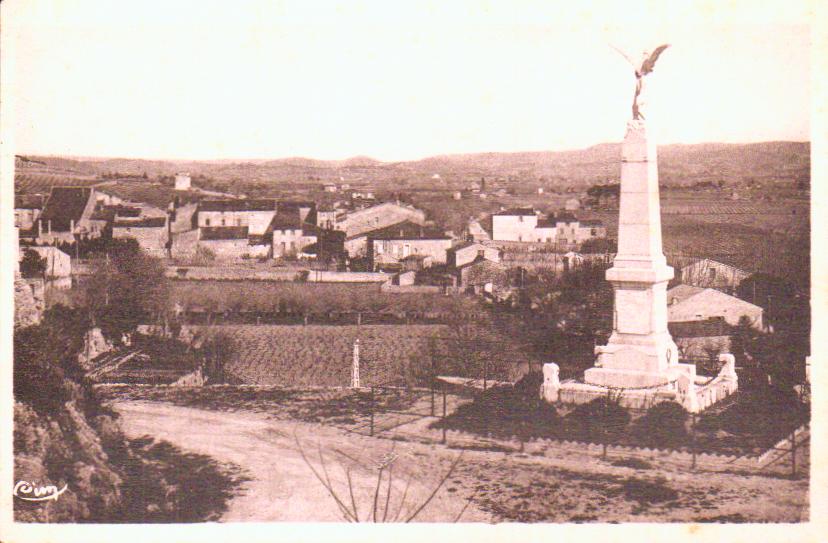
(32, 492)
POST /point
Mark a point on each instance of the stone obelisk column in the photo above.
(640, 352)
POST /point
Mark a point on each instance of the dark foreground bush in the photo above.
(769, 412)
(664, 426)
(508, 411)
(596, 421)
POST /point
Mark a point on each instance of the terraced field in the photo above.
(323, 355)
(42, 182)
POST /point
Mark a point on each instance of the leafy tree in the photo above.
(218, 349)
(127, 288)
(32, 264)
(776, 359)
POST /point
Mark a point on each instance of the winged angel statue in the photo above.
(647, 64)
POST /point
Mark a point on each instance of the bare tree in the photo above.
(381, 507)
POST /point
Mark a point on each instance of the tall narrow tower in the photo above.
(640, 352)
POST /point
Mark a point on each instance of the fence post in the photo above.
(372, 410)
(604, 427)
(693, 440)
(432, 395)
(444, 413)
(793, 453)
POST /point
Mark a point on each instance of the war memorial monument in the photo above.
(641, 362)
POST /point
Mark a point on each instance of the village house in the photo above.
(707, 273)
(378, 216)
(253, 214)
(291, 235)
(481, 275)
(569, 231)
(468, 251)
(527, 225)
(405, 239)
(690, 303)
(260, 217)
(68, 213)
(701, 319)
(27, 209)
(357, 245)
(151, 233)
(517, 224)
(183, 181)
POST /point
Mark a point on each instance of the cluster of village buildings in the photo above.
(390, 237)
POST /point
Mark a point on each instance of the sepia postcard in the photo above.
(321, 271)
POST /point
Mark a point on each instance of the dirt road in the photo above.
(282, 487)
(554, 485)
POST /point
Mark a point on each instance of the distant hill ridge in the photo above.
(679, 164)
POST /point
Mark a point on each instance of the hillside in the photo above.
(783, 163)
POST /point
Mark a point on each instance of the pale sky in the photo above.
(330, 80)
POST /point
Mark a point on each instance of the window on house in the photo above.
(593, 232)
(222, 221)
(711, 273)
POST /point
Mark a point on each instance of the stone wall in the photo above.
(230, 273)
(318, 276)
(692, 392)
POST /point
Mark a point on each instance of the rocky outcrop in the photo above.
(94, 345)
(28, 302)
(64, 449)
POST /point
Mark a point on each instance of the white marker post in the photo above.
(355, 369)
